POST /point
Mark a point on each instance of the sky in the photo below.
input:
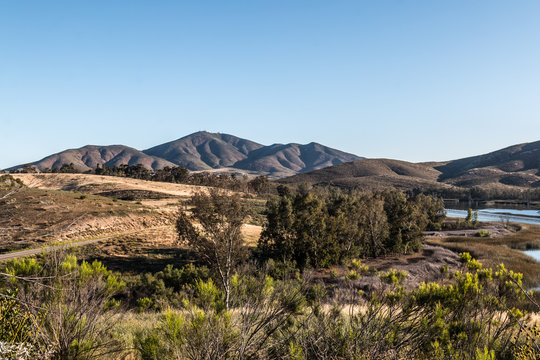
(403, 79)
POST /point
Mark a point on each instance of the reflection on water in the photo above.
(512, 215)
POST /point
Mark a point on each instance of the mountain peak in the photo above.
(204, 150)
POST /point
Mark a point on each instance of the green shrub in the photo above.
(483, 233)
(144, 304)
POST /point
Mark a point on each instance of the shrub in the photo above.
(483, 233)
(76, 324)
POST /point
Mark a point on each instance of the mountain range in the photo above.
(514, 166)
(205, 151)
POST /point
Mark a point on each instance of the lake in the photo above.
(526, 216)
(535, 254)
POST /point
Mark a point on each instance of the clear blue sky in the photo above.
(411, 80)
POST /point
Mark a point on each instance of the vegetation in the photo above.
(472, 313)
(506, 249)
(232, 301)
(218, 241)
(67, 305)
(323, 229)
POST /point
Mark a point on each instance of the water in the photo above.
(535, 254)
(516, 216)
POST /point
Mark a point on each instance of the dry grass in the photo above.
(32, 217)
(96, 183)
(494, 251)
(251, 234)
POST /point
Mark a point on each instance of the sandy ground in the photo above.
(96, 183)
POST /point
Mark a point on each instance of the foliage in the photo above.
(324, 229)
(468, 316)
(17, 332)
(263, 308)
(483, 233)
(218, 241)
(66, 302)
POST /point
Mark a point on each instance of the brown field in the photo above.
(96, 184)
(34, 217)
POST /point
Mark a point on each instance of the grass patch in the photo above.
(494, 251)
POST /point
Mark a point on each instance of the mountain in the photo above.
(290, 159)
(205, 151)
(515, 166)
(88, 157)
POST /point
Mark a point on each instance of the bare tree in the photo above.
(213, 230)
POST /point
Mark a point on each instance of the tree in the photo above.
(260, 184)
(376, 226)
(217, 237)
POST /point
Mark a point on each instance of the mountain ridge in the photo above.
(203, 151)
(513, 166)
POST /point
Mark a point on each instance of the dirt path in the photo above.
(30, 252)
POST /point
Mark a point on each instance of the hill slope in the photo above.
(371, 173)
(289, 159)
(204, 151)
(515, 166)
(88, 157)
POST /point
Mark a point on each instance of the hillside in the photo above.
(289, 159)
(204, 151)
(515, 167)
(373, 174)
(96, 184)
(90, 156)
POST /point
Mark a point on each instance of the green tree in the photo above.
(218, 240)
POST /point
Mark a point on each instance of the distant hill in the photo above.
(290, 159)
(515, 166)
(205, 151)
(90, 156)
(372, 174)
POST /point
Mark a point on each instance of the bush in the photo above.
(483, 233)
(76, 324)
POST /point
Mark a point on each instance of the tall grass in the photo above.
(506, 249)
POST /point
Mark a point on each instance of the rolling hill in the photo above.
(516, 166)
(90, 156)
